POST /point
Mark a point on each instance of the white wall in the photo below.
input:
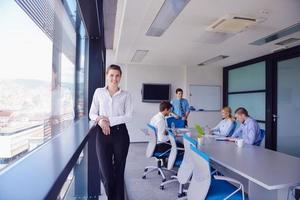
(135, 75)
(204, 76)
(110, 57)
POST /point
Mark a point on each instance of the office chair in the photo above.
(150, 152)
(185, 170)
(260, 137)
(179, 123)
(202, 186)
(174, 160)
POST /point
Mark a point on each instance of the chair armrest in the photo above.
(224, 178)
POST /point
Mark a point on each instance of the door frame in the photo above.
(274, 89)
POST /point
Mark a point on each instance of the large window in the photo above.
(38, 74)
(25, 83)
(81, 51)
(81, 106)
(67, 100)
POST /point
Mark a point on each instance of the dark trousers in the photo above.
(112, 153)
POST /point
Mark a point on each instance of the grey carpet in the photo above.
(145, 189)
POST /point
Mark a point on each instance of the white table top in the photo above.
(269, 169)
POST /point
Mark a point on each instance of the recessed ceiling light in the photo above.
(166, 15)
(274, 36)
(139, 55)
(288, 41)
(280, 48)
(212, 60)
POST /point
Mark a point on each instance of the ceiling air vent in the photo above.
(231, 24)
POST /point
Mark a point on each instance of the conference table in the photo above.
(266, 174)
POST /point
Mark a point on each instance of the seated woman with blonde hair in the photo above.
(226, 126)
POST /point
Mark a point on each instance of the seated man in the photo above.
(158, 121)
(249, 129)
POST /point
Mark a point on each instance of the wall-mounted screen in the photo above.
(155, 93)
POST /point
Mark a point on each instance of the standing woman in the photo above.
(111, 109)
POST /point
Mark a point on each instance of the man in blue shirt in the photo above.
(249, 129)
(181, 108)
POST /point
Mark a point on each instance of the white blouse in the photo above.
(159, 122)
(118, 108)
(223, 128)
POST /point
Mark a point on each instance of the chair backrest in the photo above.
(173, 152)
(201, 179)
(232, 129)
(179, 123)
(185, 170)
(260, 137)
(152, 140)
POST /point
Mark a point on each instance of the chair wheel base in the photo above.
(144, 177)
(145, 170)
(162, 187)
(164, 180)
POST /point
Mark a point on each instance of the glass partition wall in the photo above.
(246, 91)
(288, 106)
(268, 87)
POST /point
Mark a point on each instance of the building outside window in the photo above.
(37, 77)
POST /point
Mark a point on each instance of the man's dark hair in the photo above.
(114, 67)
(241, 110)
(179, 90)
(165, 105)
